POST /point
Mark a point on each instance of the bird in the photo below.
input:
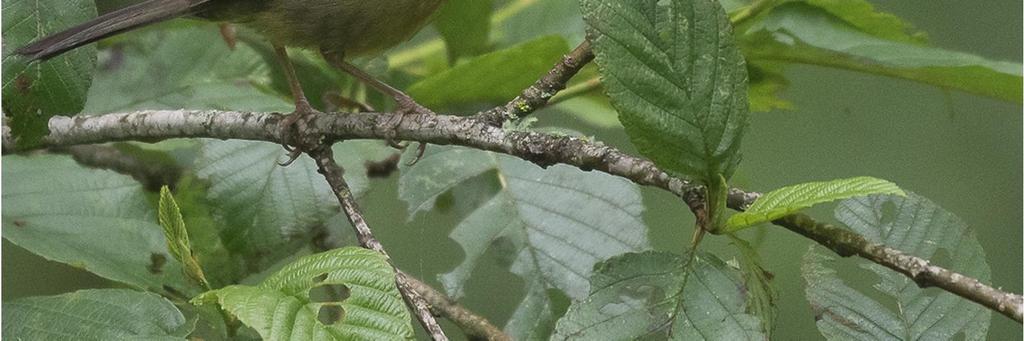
(338, 29)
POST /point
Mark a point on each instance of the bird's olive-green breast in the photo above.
(346, 27)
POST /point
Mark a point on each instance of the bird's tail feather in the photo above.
(138, 15)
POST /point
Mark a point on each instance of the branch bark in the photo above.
(542, 149)
(334, 174)
(473, 325)
(540, 93)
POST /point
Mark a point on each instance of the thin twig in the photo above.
(324, 157)
(473, 325)
(538, 95)
(847, 243)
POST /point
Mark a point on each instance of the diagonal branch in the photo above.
(473, 325)
(540, 93)
(542, 149)
(334, 174)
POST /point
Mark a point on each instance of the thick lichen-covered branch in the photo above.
(542, 149)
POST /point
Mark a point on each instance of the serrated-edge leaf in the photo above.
(791, 199)
(761, 293)
(918, 227)
(556, 223)
(800, 33)
(35, 91)
(280, 307)
(169, 216)
(104, 314)
(862, 15)
(644, 295)
(677, 78)
(270, 211)
(97, 220)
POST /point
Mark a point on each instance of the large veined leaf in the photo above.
(107, 314)
(761, 293)
(800, 33)
(280, 308)
(148, 72)
(269, 210)
(650, 296)
(791, 199)
(555, 223)
(677, 78)
(32, 93)
(917, 226)
(494, 77)
(96, 220)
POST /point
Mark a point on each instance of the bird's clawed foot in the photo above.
(295, 136)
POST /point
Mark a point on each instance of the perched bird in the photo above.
(336, 28)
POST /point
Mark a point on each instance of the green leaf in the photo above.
(799, 33)
(677, 78)
(220, 266)
(791, 199)
(555, 223)
(281, 308)
(106, 314)
(148, 72)
(32, 93)
(268, 210)
(495, 77)
(650, 296)
(918, 227)
(522, 21)
(178, 243)
(96, 220)
(761, 293)
(863, 16)
(465, 26)
(767, 81)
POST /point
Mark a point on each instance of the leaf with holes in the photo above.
(96, 220)
(918, 227)
(106, 314)
(34, 92)
(281, 308)
(788, 200)
(650, 296)
(555, 223)
(270, 211)
(677, 78)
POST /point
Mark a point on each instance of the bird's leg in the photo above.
(292, 123)
(406, 105)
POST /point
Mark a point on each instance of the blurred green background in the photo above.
(963, 152)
